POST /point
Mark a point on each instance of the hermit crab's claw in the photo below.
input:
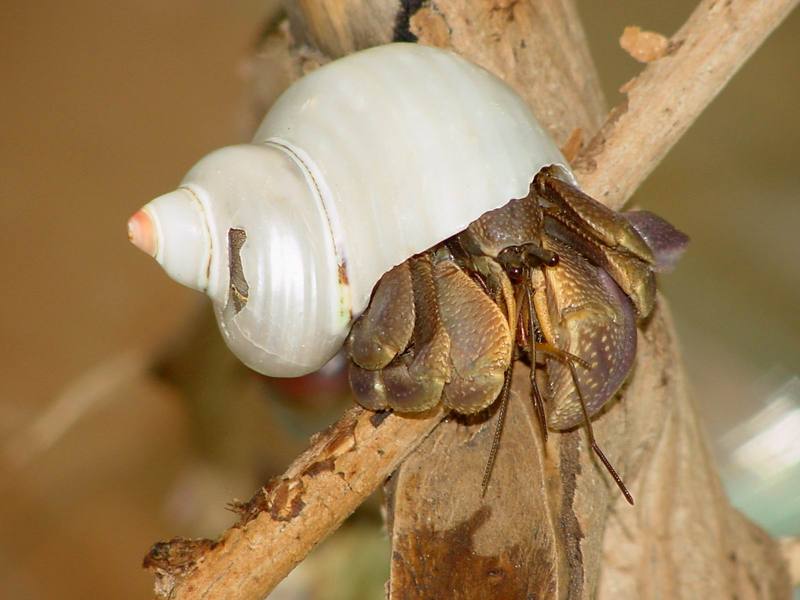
(665, 241)
(173, 230)
(586, 314)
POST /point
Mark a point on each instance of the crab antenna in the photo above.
(538, 403)
(498, 430)
(595, 447)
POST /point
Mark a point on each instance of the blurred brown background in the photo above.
(106, 105)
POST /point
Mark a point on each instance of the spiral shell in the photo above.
(358, 166)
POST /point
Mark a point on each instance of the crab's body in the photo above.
(554, 278)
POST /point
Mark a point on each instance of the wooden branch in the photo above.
(284, 520)
(666, 98)
(571, 525)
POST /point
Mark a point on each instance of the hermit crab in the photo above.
(407, 202)
(554, 278)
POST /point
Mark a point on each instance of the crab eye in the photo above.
(514, 273)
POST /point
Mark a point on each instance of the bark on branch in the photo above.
(285, 519)
(666, 98)
(550, 519)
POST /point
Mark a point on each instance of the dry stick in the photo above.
(666, 98)
(284, 520)
(345, 464)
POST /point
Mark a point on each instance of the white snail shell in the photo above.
(366, 161)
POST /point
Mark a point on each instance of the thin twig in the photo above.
(345, 464)
(668, 95)
(79, 398)
(284, 520)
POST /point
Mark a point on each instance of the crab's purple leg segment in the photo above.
(415, 380)
(665, 241)
(385, 328)
(413, 377)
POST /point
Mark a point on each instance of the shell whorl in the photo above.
(359, 165)
(409, 145)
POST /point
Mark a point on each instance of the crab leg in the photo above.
(480, 340)
(412, 380)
